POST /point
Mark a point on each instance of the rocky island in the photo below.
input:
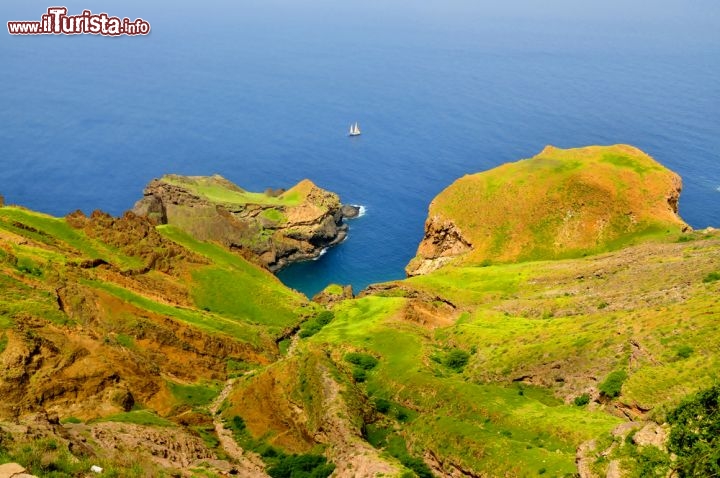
(561, 320)
(276, 227)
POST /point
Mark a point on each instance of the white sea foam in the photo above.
(322, 253)
(363, 209)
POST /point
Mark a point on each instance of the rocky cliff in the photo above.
(273, 228)
(558, 204)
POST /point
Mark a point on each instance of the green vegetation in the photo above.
(457, 359)
(445, 413)
(49, 230)
(627, 161)
(684, 351)
(206, 321)
(217, 189)
(582, 400)
(199, 395)
(382, 405)
(20, 300)
(446, 359)
(646, 461)
(612, 385)
(280, 465)
(314, 325)
(47, 457)
(301, 466)
(395, 445)
(361, 360)
(236, 289)
(607, 181)
(711, 277)
(274, 215)
(695, 434)
(334, 289)
(74, 420)
(138, 417)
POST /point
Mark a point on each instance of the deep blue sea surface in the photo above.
(263, 92)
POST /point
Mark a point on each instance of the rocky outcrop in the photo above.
(349, 211)
(13, 470)
(333, 294)
(442, 241)
(274, 228)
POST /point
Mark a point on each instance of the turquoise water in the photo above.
(263, 93)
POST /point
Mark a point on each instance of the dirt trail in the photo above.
(292, 349)
(352, 456)
(248, 465)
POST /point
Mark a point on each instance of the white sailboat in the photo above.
(354, 130)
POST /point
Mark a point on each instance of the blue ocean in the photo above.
(263, 93)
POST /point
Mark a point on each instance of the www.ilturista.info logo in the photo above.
(58, 22)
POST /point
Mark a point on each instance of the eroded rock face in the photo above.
(443, 240)
(271, 229)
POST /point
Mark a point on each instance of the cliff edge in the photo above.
(558, 204)
(274, 228)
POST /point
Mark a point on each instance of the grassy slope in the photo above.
(483, 426)
(561, 203)
(567, 324)
(236, 296)
(584, 314)
(235, 313)
(236, 289)
(218, 190)
(54, 231)
(232, 298)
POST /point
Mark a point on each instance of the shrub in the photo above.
(712, 277)
(238, 424)
(612, 385)
(268, 452)
(382, 405)
(313, 326)
(324, 317)
(695, 434)
(651, 461)
(416, 465)
(364, 361)
(301, 466)
(308, 330)
(582, 400)
(457, 359)
(684, 351)
(359, 375)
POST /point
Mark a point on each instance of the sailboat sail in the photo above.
(354, 130)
